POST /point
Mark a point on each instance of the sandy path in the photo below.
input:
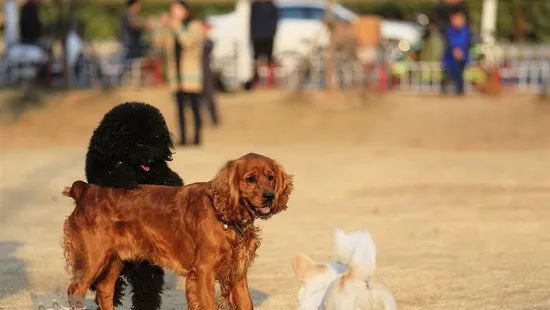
(456, 193)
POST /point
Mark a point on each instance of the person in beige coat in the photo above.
(184, 50)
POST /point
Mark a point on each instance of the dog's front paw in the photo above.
(76, 303)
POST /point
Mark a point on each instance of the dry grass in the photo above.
(456, 192)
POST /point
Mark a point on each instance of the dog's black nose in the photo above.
(268, 196)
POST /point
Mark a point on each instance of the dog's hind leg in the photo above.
(91, 266)
(147, 282)
(106, 284)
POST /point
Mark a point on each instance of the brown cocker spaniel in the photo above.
(203, 231)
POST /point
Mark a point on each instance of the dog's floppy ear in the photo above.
(302, 266)
(225, 191)
(283, 188)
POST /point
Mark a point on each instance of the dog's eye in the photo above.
(270, 178)
(251, 180)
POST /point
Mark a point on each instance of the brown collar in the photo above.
(238, 227)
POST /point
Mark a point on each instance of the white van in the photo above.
(300, 26)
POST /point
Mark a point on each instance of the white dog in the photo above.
(346, 283)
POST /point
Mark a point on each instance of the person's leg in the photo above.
(271, 79)
(454, 75)
(339, 73)
(459, 79)
(262, 62)
(195, 107)
(444, 79)
(180, 101)
(257, 46)
(210, 103)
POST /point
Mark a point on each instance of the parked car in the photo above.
(300, 27)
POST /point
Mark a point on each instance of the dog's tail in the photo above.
(357, 250)
(383, 297)
(76, 190)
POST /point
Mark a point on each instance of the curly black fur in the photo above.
(132, 146)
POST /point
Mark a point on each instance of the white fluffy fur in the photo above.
(357, 250)
(344, 284)
(315, 283)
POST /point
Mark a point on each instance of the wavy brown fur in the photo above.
(180, 228)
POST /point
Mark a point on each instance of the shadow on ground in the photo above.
(172, 299)
(175, 299)
(56, 301)
(14, 270)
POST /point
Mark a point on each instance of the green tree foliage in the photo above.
(517, 19)
(540, 20)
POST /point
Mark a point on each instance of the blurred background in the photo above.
(392, 44)
(424, 121)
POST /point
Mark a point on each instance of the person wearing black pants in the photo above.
(192, 98)
(264, 18)
(132, 30)
(185, 53)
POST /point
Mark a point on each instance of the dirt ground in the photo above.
(455, 191)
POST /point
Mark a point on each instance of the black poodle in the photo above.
(132, 146)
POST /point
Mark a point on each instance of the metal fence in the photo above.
(83, 75)
(525, 76)
(509, 53)
(519, 68)
(521, 72)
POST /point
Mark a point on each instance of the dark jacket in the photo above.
(29, 23)
(132, 29)
(263, 19)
